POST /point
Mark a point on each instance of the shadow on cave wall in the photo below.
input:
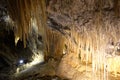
(9, 53)
(61, 15)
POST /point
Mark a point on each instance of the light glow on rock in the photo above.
(37, 58)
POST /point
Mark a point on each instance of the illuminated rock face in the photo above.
(94, 33)
(91, 30)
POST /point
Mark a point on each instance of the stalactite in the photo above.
(22, 11)
(54, 45)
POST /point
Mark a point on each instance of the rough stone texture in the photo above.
(63, 15)
(80, 14)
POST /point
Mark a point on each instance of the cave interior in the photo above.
(59, 39)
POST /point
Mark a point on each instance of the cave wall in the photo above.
(89, 27)
(71, 19)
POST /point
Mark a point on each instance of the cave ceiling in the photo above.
(79, 38)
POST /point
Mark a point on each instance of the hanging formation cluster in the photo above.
(23, 12)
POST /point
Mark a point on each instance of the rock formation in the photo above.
(79, 39)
